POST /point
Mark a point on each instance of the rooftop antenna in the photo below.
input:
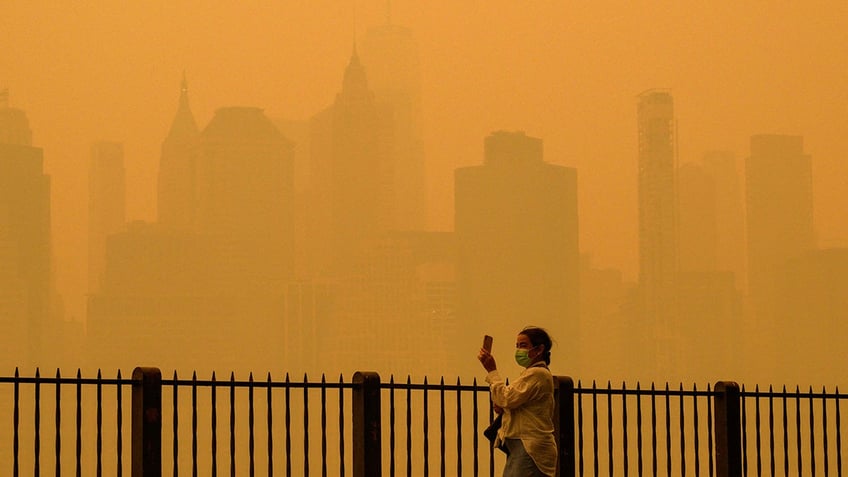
(184, 84)
(354, 28)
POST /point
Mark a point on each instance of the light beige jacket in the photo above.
(528, 404)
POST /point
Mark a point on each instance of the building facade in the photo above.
(106, 204)
(658, 231)
(779, 210)
(176, 187)
(25, 250)
(517, 236)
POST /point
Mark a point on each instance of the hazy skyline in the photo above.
(567, 73)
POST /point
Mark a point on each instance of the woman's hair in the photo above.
(538, 336)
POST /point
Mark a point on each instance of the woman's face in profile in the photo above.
(523, 342)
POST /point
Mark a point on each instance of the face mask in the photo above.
(522, 357)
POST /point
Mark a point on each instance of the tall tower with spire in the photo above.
(177, 168)
(360, 174)
(390, 55)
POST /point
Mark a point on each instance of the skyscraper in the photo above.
(517, 237)
(245, 191)
(390, 55)
(730, 214)
(658, 221)
(779, 206)
(707, 287)
(698, 219)
(352, 173)
(106, 204)
(24, 241)
(177, 169)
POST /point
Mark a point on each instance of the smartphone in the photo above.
(487, 343)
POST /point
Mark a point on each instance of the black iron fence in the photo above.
(366, 427)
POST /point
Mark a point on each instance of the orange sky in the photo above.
(567, 72)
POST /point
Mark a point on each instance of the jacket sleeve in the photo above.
(512, 396)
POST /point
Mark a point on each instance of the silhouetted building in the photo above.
(730, 214)
(516, 230)
(708, 294)
(603, 294)
(779, 205)
(245, 201)
(698, 222)
(352, 203)
(25, 253)
(399, 293)
(156, 301)
(390, 55)
(658, 223)
(177, 188)
(305, 211)
(811, 318)
(304, 326)
(710, 331)
(106, 204)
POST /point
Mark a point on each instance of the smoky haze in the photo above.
(327, 187)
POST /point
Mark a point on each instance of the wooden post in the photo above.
(728, 429)
(564, 425)
(367, 430)
(146, 422)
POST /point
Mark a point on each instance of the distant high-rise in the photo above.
(730, 214)
(711, 234)
(25, 254)
(517, 237)
(106, 204)
(390, 55)
(811, 317)
(156, 299)
(698, 221)
(177, 169)
(658, 221)
(779, 206)
(245, 192)
(351, 174)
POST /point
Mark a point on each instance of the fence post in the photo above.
(564, 425)
(146, 422)
(367, 451)
(728, 429)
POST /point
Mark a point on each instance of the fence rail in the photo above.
(366, 427)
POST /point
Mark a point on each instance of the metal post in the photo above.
(367, 451)
(146, 422)
(728, 429)
(564, 424)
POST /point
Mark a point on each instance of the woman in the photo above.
(527, 404)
